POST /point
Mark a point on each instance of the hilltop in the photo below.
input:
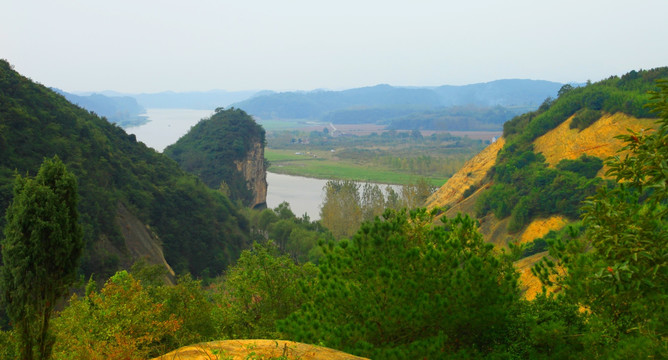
(227, 152)
(134, 202)
(533, 179)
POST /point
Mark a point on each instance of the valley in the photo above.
(183, 245)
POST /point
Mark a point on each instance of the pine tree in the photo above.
(40, 251)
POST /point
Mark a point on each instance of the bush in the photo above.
(585, 117)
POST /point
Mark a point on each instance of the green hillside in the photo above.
(201, 230)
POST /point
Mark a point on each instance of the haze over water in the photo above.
(166, 126)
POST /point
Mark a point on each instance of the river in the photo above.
(303, 194)
(166, 126)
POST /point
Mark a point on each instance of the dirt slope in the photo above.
(597, 140)
(256, 349)
(471, 173)
(560, 143)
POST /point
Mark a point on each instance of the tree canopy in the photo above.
(40, 253)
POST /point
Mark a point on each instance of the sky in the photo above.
(136, 46)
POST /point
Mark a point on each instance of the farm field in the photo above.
(367, 153)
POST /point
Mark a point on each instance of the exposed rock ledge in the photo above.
(254, 170)
(256, 349)
(470, 174)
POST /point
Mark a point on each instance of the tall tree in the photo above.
(341, 211)
(40, 251)
(373, 201)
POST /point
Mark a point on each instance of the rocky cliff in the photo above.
(254, 169)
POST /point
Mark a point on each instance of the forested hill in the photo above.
(120, 179)
(226, 151)
(383, 102)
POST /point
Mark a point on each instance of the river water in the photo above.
(303, 194)
(166, 126)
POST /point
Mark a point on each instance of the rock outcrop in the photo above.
(256, 349)
(141, 242)
(254, 169)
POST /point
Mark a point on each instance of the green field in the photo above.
(325, 165)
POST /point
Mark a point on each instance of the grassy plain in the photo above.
(325, 165)
(368, 153)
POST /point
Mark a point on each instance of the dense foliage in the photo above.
(211, 148)
(261, 288)
(403, 288)
(524, 187)
(200, 229)
(40, 253)
(297, 237)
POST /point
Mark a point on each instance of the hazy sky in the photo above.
(150, 46)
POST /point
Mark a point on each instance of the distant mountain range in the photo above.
(483, 106)
(399, 106)
(119, 109)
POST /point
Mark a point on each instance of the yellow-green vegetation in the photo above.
(347, 203)
(390, 158)
(523, 186)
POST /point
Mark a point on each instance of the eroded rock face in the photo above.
(254, 170)
(471, 174)
(141, 242)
